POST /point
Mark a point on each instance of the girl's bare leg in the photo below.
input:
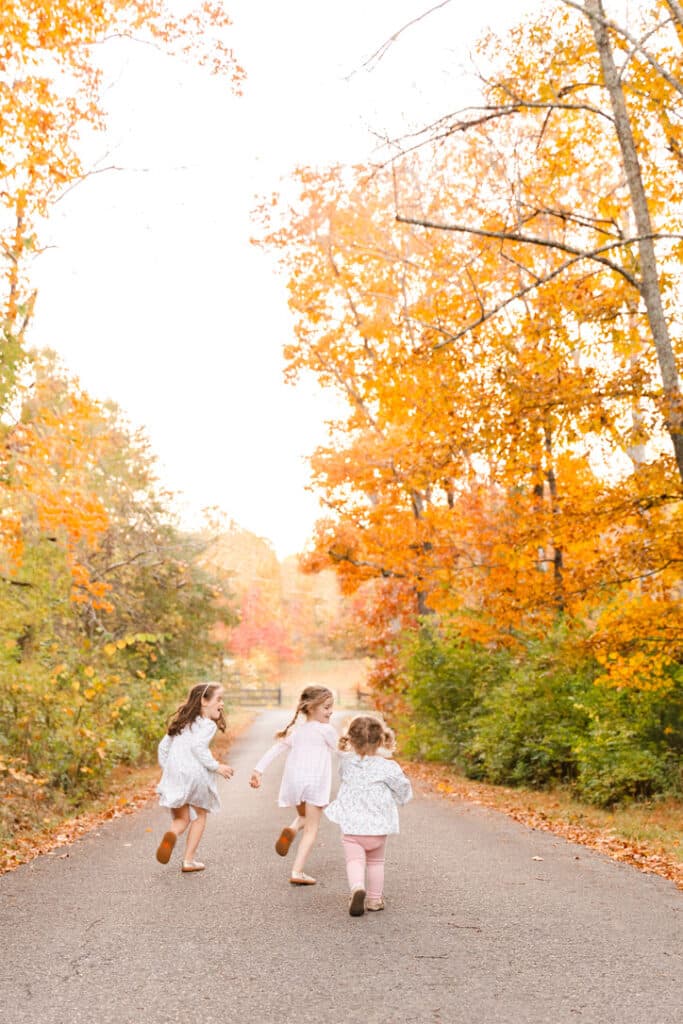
(310, 825)
(181, 819)
(299, 820)
(194, 834)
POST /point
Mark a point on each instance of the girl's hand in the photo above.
(255, 780)
(226, 771)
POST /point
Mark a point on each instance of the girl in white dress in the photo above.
(372, 785)
(188, 781)
(307, 777)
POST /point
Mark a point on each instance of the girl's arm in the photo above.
(399, 784)
(331, 737)
(277, 748)
(164, 749)
(200, 746)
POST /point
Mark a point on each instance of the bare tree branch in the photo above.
(98, 170)
(513, 236)
(425, 136)
(381, 51)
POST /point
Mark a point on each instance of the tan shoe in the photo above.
(192, 865)
(357, 902)
(165, 848)
(300, 878)
(374, 904)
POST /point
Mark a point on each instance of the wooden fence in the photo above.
(260, 697)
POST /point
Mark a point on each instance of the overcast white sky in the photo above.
(152, 293)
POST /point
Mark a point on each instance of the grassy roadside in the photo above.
(647, 836)
(44, 829)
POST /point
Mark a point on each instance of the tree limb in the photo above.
(513, 236)
(380, 52)
(607, 23)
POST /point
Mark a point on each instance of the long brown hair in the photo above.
(192, 708)
(310, 698)
(366, 734)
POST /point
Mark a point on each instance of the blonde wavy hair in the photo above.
(365, 734)
(312, 697)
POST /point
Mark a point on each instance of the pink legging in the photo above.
(362, 850)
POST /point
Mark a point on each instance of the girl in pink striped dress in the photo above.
(307, 777)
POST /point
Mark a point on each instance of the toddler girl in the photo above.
(188, 782)
(366, 807)
(307, 776)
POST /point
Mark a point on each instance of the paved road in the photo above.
(475, 931)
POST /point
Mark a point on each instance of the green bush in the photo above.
(632, 749)
(528, 725)
(537, 717)
(447, 678)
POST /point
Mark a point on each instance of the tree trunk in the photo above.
(649, 278)
(676, 11)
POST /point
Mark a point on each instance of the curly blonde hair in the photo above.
(312, 697)
(365, 734)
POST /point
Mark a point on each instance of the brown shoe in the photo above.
(374, 904)
(299, 878)
(165, 848)
(357, 902)
(285, 840)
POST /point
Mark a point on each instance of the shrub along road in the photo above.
(487, 922)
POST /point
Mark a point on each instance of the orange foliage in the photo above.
(505, 458)
(48, 461)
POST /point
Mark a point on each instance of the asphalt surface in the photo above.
(475, 930)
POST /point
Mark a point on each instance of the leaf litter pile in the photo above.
(545, 812)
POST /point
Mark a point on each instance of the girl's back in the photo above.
(371, 789)
(312, 736)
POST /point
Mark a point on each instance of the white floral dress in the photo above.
(371, 789)
(307, 777)
(189, 768)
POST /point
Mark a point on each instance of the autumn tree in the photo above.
(592, 95)
(505, 449)
(613, 96)
(107, 609)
